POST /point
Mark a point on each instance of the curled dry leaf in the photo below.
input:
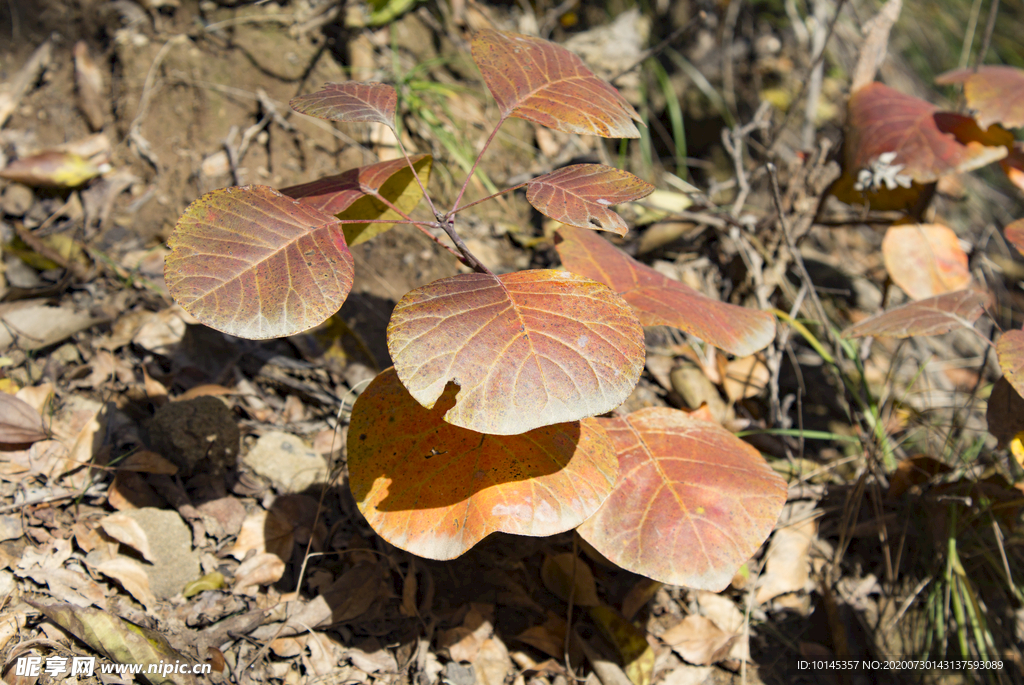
(933, 316)
(884, 122)
(254, 263)
(350, 101)
(357, 194)
(539, 81)
(1015, 234)
(128, 531)
(692, 502)
(132, 577)
(661, 301)
(52, 169)
(582, 195)
(699, 641)
(19, 422)
(259, 569)
(787, 563)
(1010, 349)
(526, 349)
(925, 260)
(435, 489)
(994, 92)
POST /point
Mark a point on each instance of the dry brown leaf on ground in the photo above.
(370, 657)
(257, 570)
(557, 572)
(463, 642)
(132, 577)
(34, 324)
(262, 531)
(127, 530)
(787, 563)
(925, 260)
(699, 641)
(746, 377)
(19, 422)
(491, 664)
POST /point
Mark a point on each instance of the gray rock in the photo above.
(286, 461)
(175, 563)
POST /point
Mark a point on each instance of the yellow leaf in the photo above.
(401, 190)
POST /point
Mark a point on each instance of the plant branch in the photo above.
(470, 259)
(990, 26)
(476, 162)
(421, 225)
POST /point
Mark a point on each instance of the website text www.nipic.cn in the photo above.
(55, 666)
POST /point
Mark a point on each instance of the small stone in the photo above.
(287, 462)
(175, 563)
(17, 199)
(10, 528)
(194, 435)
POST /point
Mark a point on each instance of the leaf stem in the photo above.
(491, 197)
(476, 162)
(412, 168)
(418, 224)
(448, 226)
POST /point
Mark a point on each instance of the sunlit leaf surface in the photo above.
(539, 81)
(1010, 349)
(692, 501)
(1015, 234)
(994, 92)
(925, 259)
(435, 489)
(526, 349)
(661, 301)
(350, 101)
(582, 195)
(253, 263)
(357, 194)
(939, 314)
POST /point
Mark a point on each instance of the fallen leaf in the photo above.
(925, 260)
(127, 530)
(370, 657)
(1010, 349)
(89, 87)
(492, 665)
(19, 422)
(120, 641)
(256, 570)
(698, 640)
(914, 471)
(1005, 412)
(34, 324)
(54, 169)
(145, 461)
(132, 577)
(746, 377)
(787, 562)
(1015, 234)
(264, 532)
(630, 642)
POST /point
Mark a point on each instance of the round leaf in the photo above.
(357, 193)
(539, 81)
(936, 315)
(884, 122)
(1010, 349)
(1015, 234)
(435, 489)
(925, 259)
(580, 195)
(350, 101)
(253, 263)
(994, 92)
(526, 349)
(692, 502)
(661, 301)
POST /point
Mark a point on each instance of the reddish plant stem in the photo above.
(491, 197)
(415, 175)
(469, 263)
(476, 162)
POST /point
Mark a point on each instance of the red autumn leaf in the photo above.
(580, 195)
(994, 92)
(883, 121)
(939, 314)
(357, 193)
(253, 263)
(1010, 349)
(19, 422)
(435, 489)
(527, 349)
(350, 101)
(1015, 234)
(661, 301)
(539, 81)
(925, 259)
(692, 502)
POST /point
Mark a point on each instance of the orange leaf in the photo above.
(933, 316)
(253, 263)
(435, 489)
(1013, 165)
(692, 502)
(925, 259)
(661, 301)
(994, 92)
(1010, 349)
(888, 129)
(580, 195)
(539, 81)
(1015, 234)
(526, 349)
(351, 101)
